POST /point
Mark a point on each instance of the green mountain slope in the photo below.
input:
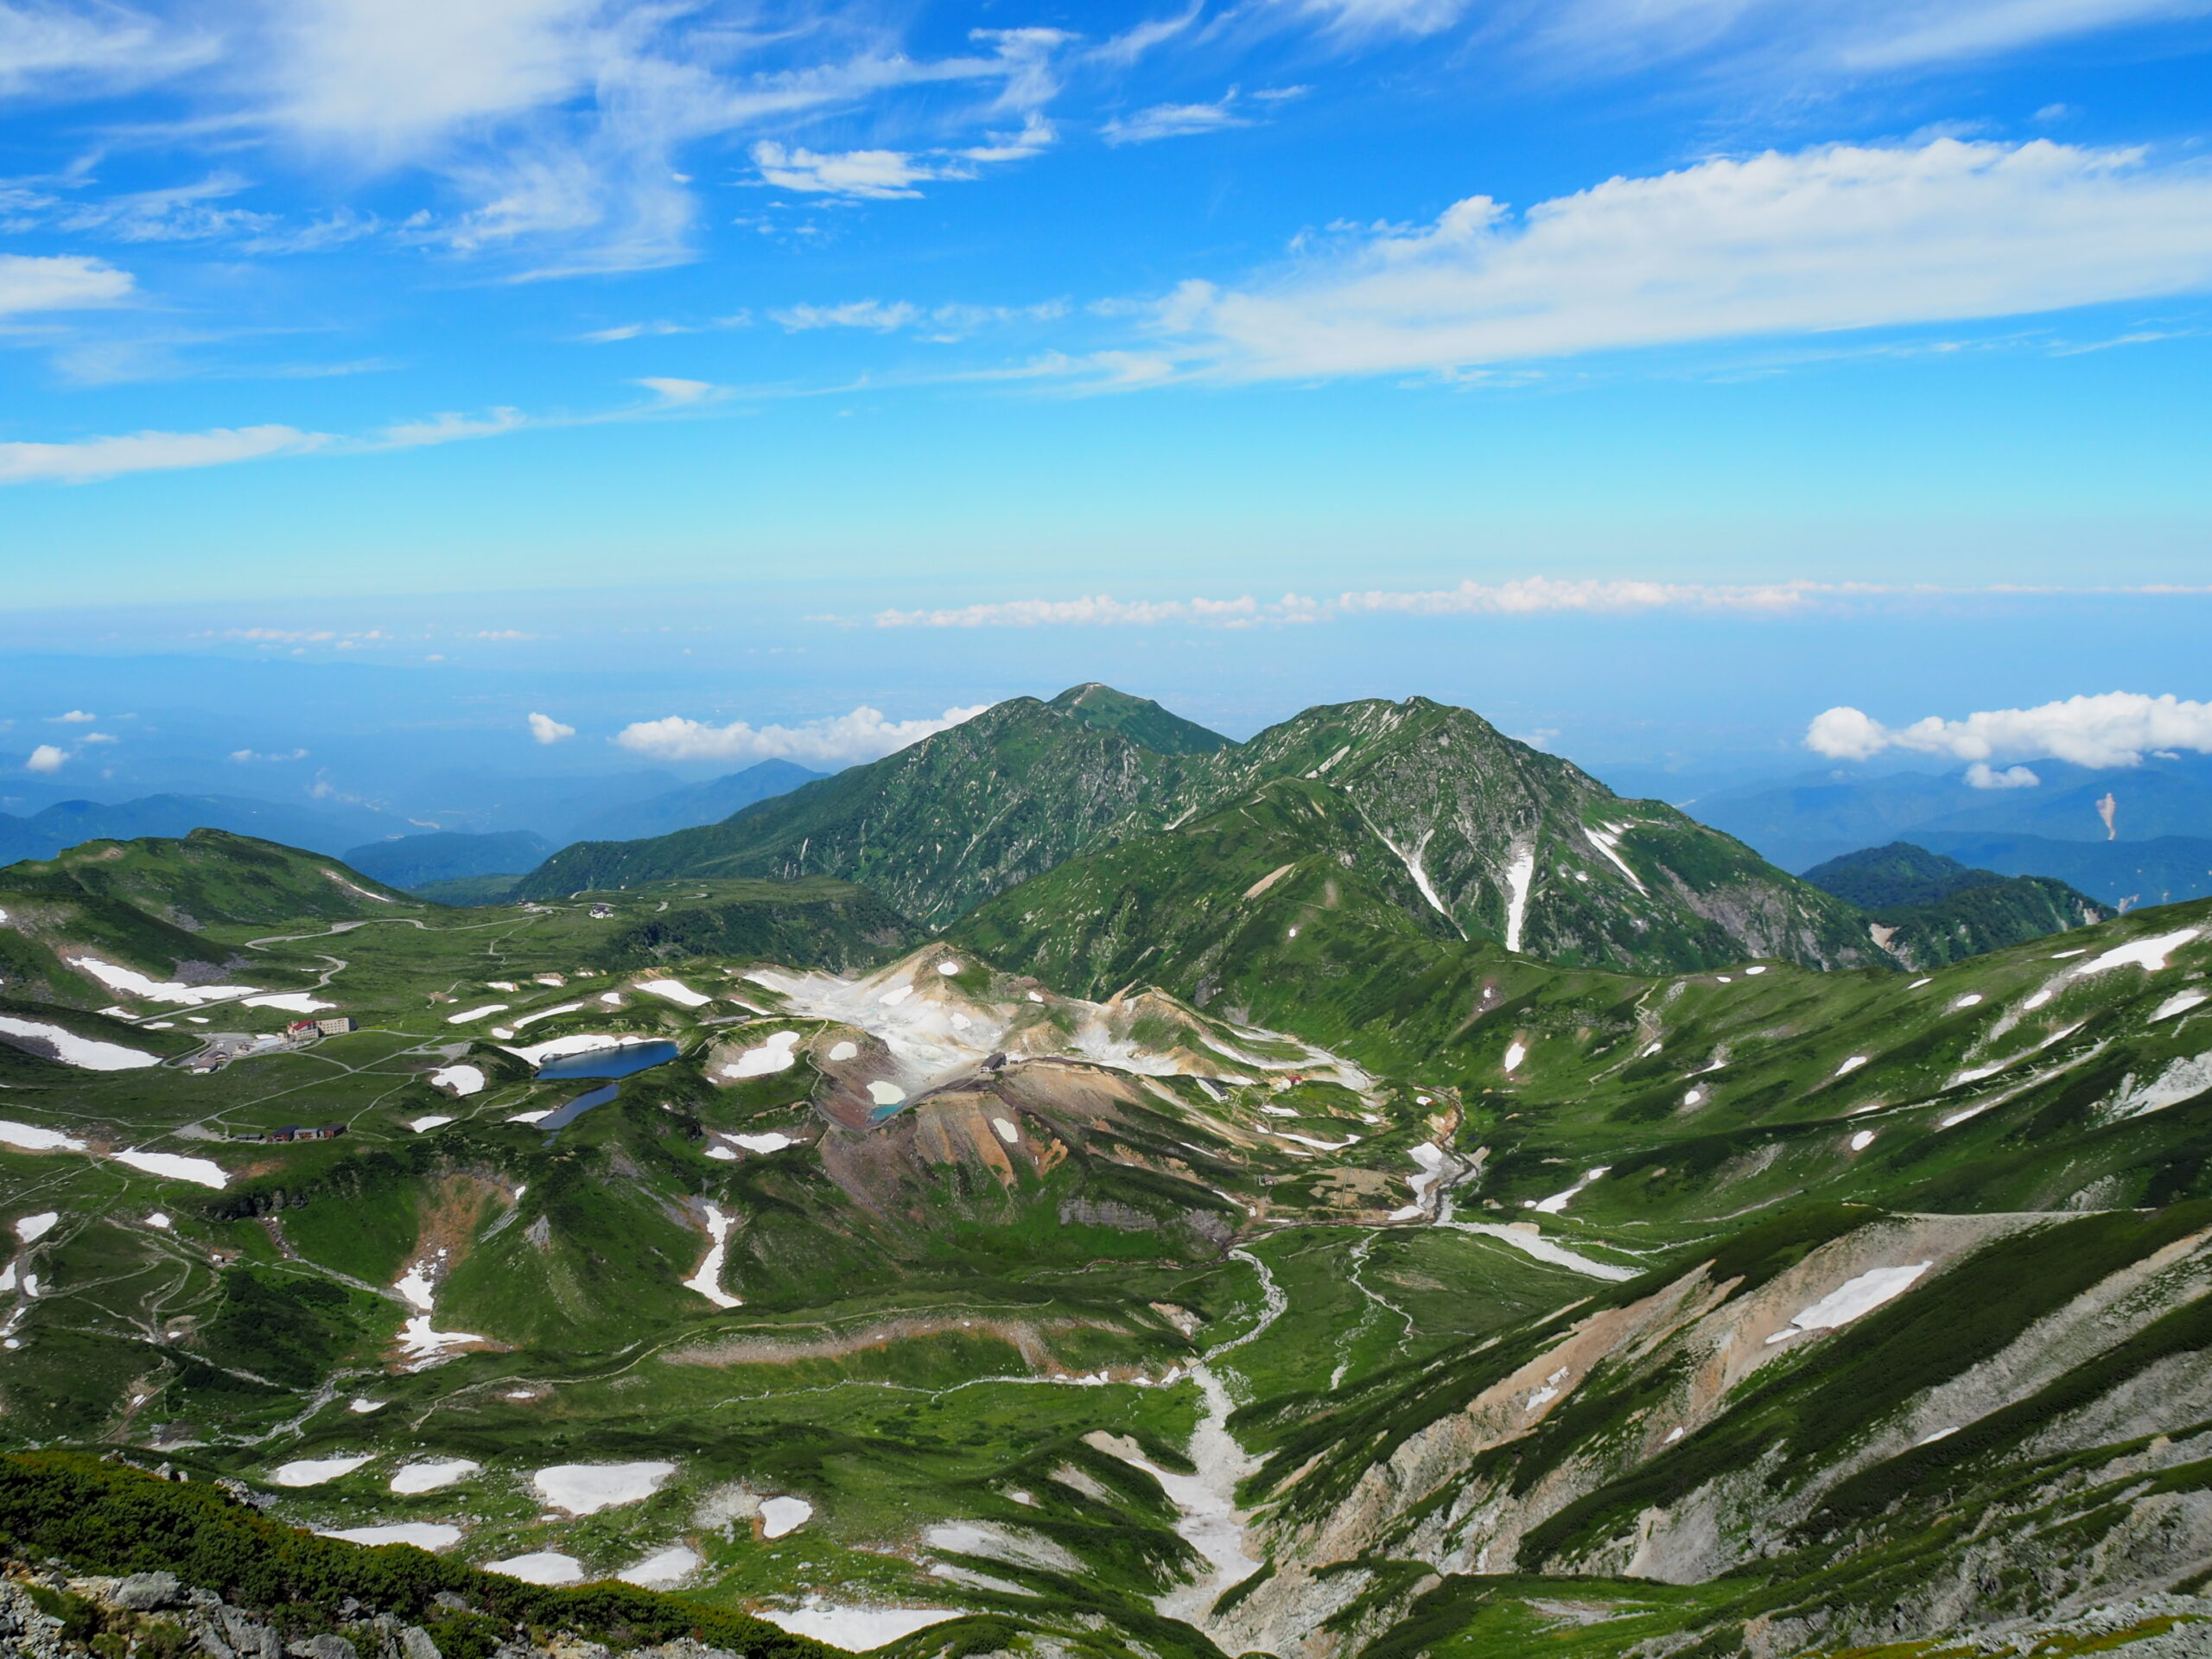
(1925, 909)
(210, 875)
(1140, 720)
(1008, 1282)
(1494, 839)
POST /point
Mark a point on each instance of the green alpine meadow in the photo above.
(1083, 1186)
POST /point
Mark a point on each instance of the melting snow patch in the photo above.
(158, 990)
(2179, 1002)
(771, 1140)
(541, 1566)
(1007, 1132)
(31, 1229)
(707, 1281)
(1851, 1064)
(313, 1472)
(1650, 1050)
(531, 1117)
(948, 969)
(1967, 1002)
(1558, 1201)
(781, 1515)
(423, 1535)
(554, 1048)
(1517, 877)
(1863, 1140)
(886, 1094)
(1940, 1435)
(544, 1014)
(364, 1406)
(675, 991)
(1695, 1097)
(892, 998)
(1515, 1054)
(857, 1630)
(1673, 1434)
(1852, 1297)
(723, 1153)
(203, 1171)
(1917, 983)
(2183, 1079)
(422, 1344)
(84, 1052)
(476, 1013)
(845, 1050)
(2062, 956)
(774, 1055)
(2150, 954)
(425, 1125)
(290, 1001)
(588, 1488)
(157, 1220)
(663, 1568)
(462, 1080)
(1605, 840)
(428, 1477)
(1756, 968)
(1033, 997)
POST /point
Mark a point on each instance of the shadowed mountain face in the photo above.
(1490, 838)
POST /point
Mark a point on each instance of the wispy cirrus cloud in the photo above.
(88, 458)
(1837, 238)
(893, 175)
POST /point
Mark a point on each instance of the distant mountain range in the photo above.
(1926, 909)
(1426, 809)
(67, 823)
(1821, 816)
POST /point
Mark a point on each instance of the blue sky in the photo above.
(1652, 373)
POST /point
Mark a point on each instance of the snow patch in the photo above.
(1518, 875)
(476, 1013)
(1852, 1297)
(892, 998)
(158, 990)
(857, 1630)
(664, 1569)
(588, 1488)
(948, 969)
(540, 1567)
(845, 1050)
(707, 1281)
(886, 1094)
(428, 1477)
(2179, 1002)
(553, 1048)
(769, 1140)
(425, 1125)
(423, 1535)
(31, 1229)
(461, 1080)
(205, 1172)
(290, 1001)
(1559, 1201)
(314, 1471)
(781, 1515)
(1863, 1140)
(85, 1052)
(1515, 1054)
(2150, 954)
(1851, 1064)
(675, 991)
(777, 1054)
(1007, 1132)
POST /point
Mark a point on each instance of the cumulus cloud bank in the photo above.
(2113, 728)
(546, 729)
(848, 740)
(45, 758)
(1841, 237)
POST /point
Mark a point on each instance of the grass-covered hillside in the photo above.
(1925, 909)
(1220, 1256)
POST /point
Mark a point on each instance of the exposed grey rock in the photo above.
(142, 1593)
(325, 1646)
(414, 1641)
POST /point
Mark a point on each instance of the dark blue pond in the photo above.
(561, 1118)
(609, 1062)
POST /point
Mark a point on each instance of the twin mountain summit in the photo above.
(1083, 1186)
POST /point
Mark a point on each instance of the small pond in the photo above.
(609, 1062)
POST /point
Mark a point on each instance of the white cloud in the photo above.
(45, 758)
(1172, 121)
(2114, 728)
(74, 717)
(1982, 775)
(47, 48)
(546, 729)
(59, 282)
(451, 428)
(1849, 36)
(254, 757)
(1843, 237)
(853, 314)
(675, 393)
(143, 452)
(864, 734)
(1381, 16)
(1099, 611)
(1531, 594)
(871, 175)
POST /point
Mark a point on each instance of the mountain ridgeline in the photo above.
(1428, 809)
(1925, 909)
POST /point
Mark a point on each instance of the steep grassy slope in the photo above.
(1495, 839)
(209, 876)
(1140, 720)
